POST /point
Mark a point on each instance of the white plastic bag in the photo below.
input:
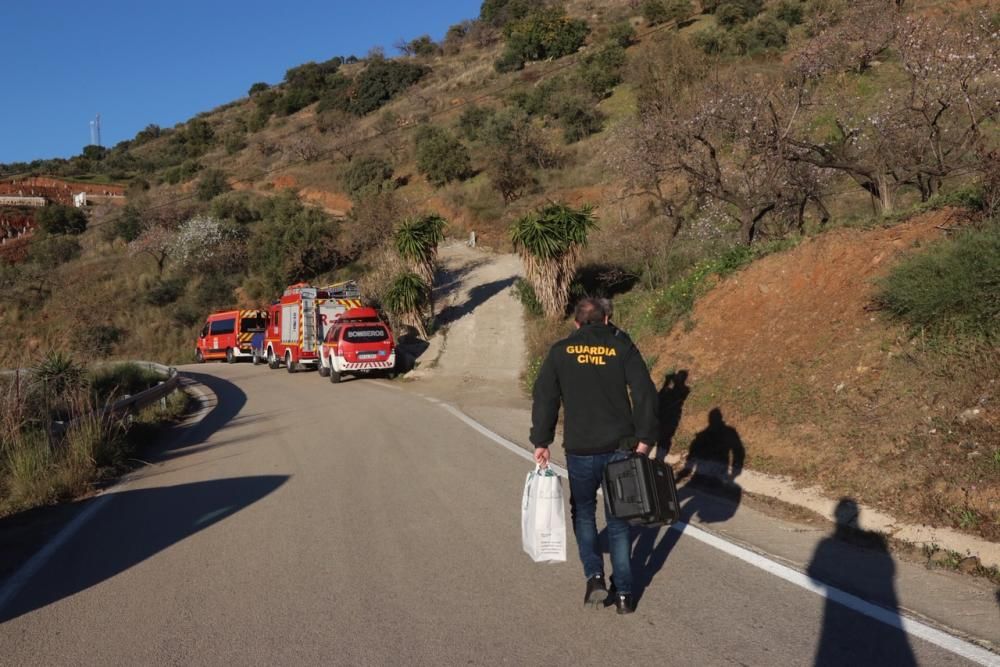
(543, 517)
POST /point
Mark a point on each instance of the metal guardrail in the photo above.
(149, 396)
(127, 404)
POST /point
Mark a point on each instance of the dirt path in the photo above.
(478, 350)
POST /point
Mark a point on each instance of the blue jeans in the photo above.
(585, 476)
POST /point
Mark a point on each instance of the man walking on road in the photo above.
(591, 373)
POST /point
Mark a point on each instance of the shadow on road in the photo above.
(138, 525)
(478, 295)
(715, 460)
(229, 401)
(848, 637)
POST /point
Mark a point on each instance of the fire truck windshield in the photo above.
(252, 324)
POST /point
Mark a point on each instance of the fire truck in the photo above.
(358, 343)
(298, 322)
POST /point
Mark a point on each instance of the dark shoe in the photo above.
(625, 603)
(597, 592)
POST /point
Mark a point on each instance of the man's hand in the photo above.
(643, 449)
(542, 456)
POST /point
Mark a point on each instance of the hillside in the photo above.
(752, 166)
(794, 355)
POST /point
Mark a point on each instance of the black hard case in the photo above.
(641, 490)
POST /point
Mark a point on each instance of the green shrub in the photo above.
(441, 157)
(212, 183)
(622, 34)
(499, 13)
(367, 175)
(762, 34)
(50, 252)
(525, 293)
(257, 88)
(381, 81)
(164, 292)
(578, 119)
(182, 173)
(654, 11)
(471, 123)
(713, 40)
(950, 290)
(117, 380)
(59, 219)
(98, 338)
(601, 70)
(790, 11)
(735, 12)
(291, 243)
(546, 33)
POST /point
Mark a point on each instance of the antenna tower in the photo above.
(95, 131)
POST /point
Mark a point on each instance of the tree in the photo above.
(204, 244)
(441, 157)
(654, 11)
(381, 81)
(59, 219)
(545, 33)
(258, 87)
(213, 182)
(499, 13)
(407, 298)
(367, 175)
(601, 70)
(291, 243)
(156, 241)
(416, 240)
(550, 242)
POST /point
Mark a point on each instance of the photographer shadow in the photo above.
(711, 495)
(672, 396)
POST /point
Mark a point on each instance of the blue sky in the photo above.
(138, 62)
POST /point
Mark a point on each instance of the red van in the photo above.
(229, 335)
(358, 343)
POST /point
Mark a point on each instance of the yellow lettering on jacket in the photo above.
(599, 350)
(594, 355)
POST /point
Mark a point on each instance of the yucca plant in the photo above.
(550, 242)
(417, 240)
(407, 299)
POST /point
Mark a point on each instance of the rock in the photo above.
(839, 388)
(940, 556)
(968, 565)
(968, 415)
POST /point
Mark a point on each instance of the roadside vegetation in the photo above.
(56, 440)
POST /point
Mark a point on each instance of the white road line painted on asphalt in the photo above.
(891, 618)
(23, 575)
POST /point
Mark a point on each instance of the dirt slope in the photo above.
(820, 387)
(479, 345)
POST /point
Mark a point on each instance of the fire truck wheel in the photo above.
(272, 361)
(230, 357)
(334, 377)
(289, 364)
(199, 357)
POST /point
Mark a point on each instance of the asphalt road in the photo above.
(307, 523)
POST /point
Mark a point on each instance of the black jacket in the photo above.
(592, 373)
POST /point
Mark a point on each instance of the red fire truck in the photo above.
(298, 322)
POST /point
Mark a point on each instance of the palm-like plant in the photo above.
(549, 242)
(417, 240)
(407, 298)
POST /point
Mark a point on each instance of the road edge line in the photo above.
(930, 634)
(16, 581)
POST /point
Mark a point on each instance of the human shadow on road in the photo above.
(849, 637)
(478, 295)
(711, 495)
(131, 527)
(672, 396)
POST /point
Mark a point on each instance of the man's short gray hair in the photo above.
(589, 311)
